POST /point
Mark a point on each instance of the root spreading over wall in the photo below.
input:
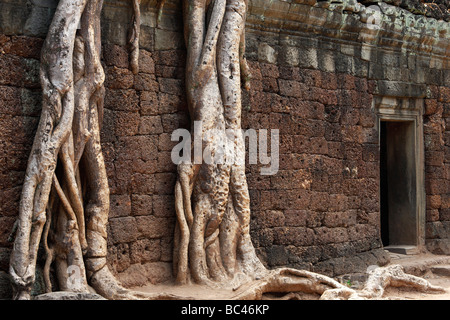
(65, 197)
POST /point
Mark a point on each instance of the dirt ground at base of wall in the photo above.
(408, 294)
(423, 265)
(433, 268)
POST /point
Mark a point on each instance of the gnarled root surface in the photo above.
(291, 281)
(295, 283)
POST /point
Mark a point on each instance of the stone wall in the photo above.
(319, 209)
(316, 70)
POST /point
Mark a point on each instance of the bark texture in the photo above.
(212, 239)
(212, 242)
(65, 198)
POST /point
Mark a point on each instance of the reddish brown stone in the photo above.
(165, 163)
(115, 55)
(172, 86)
(170, 103)
(118, 78)
(339, 219)
(269, 70)
(329, 81)
(10, 100)
(121, 100)
(169, 72)
(296, 218)
(175, 58)
(123, 229)
(146, 82)
(296, 236)
(149, 103)
(433, 201)
(150, 125)
(434, 158)
(17, 71)
(151, 227)
(122, 123)
(173, 121)
(444, 94)
(146, 63)
(145, 250)
(432, 215)
(291, 88)
(270, 85)
(164, 183)
(120, 206)
(430, 106)
(255, 70)
(164, 205)
(6, 226)
(141, 204)
(27, 47)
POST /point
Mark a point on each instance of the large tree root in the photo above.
(379, 280)
(292, 281)
(287, 283)
(65, 197)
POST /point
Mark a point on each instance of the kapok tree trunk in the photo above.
(212, 239)
(65, 198)
(212, 242)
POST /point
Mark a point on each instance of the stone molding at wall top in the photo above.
(379, 25)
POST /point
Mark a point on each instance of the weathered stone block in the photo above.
(149, 103)
(168, 40)
(267, 54)
(122, 123)
(295, 218)
(115, 55)
(141, 204)
(123, 229)
(400, 89)
(164, 205)
(152, 227)
(146, 63)
(296, 236)
(118, 78)
(120, 206)
(142, 183)
(150, 125)
(121, 100)
(145, 250)
(146, 82)
(172, 86)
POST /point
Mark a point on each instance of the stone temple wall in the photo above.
(319, 70)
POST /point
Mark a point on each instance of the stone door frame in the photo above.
(408, 109)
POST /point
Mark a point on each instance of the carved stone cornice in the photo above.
(377, 25)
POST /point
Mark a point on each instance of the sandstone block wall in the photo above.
(316, 71)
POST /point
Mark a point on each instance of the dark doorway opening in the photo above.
(398, 192)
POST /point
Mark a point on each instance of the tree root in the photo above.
(293, 284)
(133, 40)
(292, 281)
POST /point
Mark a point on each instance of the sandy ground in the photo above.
(421, 265)
(194, 292)
(408, 294)
(418, 265)
(188, 292)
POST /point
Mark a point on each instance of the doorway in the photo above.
(398, 183)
